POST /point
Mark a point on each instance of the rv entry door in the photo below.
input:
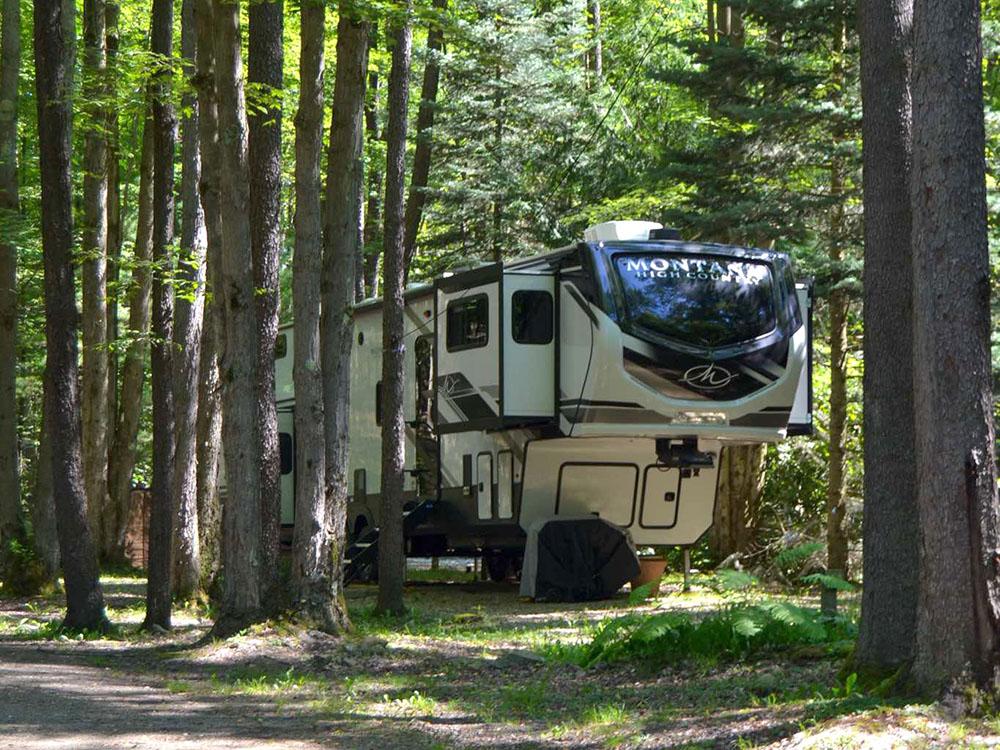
(529, 351)
(484, 486)
(468, 351)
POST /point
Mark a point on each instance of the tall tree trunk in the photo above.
(341, 244)
(158, 594)
(123, 450)
(209, 425)
(596, 56)
(10, 67)
(741, 472)
(112, 15)
(318, 595)
(54, 32)
(391, 559)
(264, 70)
(241, 540)
(43, 507)
(188, 315)
(836, 495)
(958, 613)
(372, 250)
(94, 396)
(422, 154)
(890, 563)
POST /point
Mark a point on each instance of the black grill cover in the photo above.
(577, 560)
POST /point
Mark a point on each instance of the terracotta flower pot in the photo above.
(651, 570)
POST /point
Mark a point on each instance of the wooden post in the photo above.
(687, 569)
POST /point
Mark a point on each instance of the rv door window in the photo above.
(281, 347)
(705, 300)
(468, 323)
(531, 316)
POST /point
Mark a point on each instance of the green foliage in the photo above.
(640, 594)
(794, 557)
(739, 631)
(21, 572)
(828, 581)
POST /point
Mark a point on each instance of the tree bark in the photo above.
(741, 471)
(890, 564)
(958, 613)
(836, 495)
(43, 507)
(372, 250)
(318, 595)
(391, 559)
(341, 244)
(209, 425)
(94, 395)
(53, 36)
(188, 316)
(123, 450)
(10, 67)
(112, 14)
(264, 70)
(425, 140)
(158, 589)
(596, 57)
(241, 552)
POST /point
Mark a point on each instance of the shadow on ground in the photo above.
(459, 673)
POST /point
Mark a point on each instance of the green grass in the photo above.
(262, 681)
(476, 627)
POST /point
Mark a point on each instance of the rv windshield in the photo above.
(707, 300)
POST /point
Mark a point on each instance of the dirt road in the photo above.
(53, 699)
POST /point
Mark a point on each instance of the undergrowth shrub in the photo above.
(21, 572)
(739, 631)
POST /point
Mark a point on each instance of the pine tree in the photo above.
(889, 601)
(391, 558)
(341, 247)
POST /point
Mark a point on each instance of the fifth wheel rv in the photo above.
(601, 379)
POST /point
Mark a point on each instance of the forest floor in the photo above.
(472, 666)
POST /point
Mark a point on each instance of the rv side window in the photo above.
(281, 347)
(360, 485)
(531, 317)
(378, 403)
(286, 451)
(468, 323)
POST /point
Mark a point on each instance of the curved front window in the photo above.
(704, 301)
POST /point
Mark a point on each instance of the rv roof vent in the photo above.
(665, 233)
(611, 231)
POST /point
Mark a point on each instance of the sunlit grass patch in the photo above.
(258, 681)
(34, 629)
(414, 704)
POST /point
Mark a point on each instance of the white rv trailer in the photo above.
(603, 378)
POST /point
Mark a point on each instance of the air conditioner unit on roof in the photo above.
(616, 231)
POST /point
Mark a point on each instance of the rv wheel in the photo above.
(497, 566)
